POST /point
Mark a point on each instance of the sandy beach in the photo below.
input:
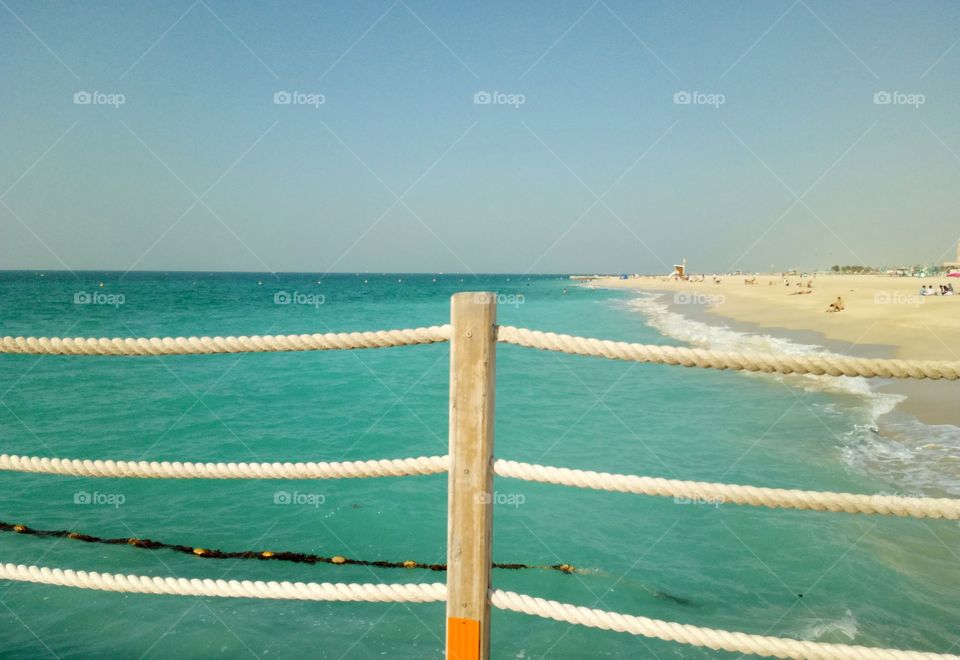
(878, 310)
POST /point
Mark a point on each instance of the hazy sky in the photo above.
(585, 161)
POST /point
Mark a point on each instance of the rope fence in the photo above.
(700, 491)
(143, 584)
(401, 467)
(719, 640)
(830, 365)
(208, 345)
(473, 334)
(735, 642)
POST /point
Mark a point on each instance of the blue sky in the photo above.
(584, 162)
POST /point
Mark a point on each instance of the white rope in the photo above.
(688, 357)
(400, 467)
(713, 493)
(199, 345)
(831, 365)
(696, 491)
(735, 642)
(144, 584)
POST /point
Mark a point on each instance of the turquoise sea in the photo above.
(819, 576)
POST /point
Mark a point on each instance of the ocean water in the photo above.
(820, 576)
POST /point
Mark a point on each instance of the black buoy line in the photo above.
(300, 557)
(263, 555)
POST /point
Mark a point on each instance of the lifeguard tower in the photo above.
(680, 270)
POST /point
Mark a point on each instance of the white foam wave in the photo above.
(921, 459)
(924, 459)
(842, 630)
(719, 337)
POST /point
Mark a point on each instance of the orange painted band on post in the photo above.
(463, 639)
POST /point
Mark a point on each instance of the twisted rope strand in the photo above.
(400, 467)
(686, 634)
(831, 365)
(205, 345)
(675, 355)
(713, 493)
(735, 642)
(696, 491)
(144, 584)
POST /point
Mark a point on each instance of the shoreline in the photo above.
(931, 402)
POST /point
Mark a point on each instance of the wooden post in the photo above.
(473, 344)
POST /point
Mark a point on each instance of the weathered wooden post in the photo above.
(473, 350)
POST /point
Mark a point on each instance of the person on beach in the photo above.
(836, 306)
